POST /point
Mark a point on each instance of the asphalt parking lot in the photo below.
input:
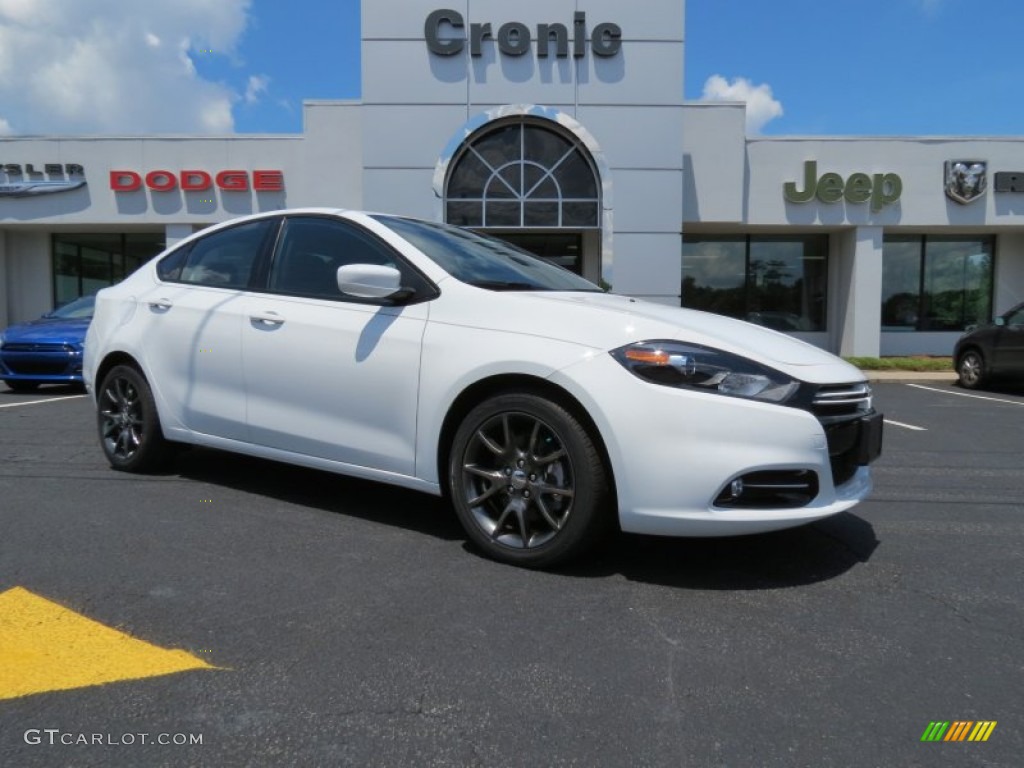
(345, 623)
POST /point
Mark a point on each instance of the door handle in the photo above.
(267, 318)
(161, 304)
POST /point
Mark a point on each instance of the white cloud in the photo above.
(257, 85)
(761, 104)
(5, 128)
(115, 66)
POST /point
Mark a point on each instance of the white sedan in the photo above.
(434, 358)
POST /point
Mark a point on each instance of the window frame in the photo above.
(184, 251)
(425, 290)
(497, 177)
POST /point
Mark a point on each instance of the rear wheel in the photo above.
(527, 482)
(129, 425)
(23, 386)
(971, 370)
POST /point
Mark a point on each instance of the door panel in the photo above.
(334, 380)
(194, 335)
(1009, 344)
(193, 331)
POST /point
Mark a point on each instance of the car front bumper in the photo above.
(675, 454)
(50, 364)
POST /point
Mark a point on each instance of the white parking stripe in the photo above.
(48, 400)
(964, 394)
(905, 426)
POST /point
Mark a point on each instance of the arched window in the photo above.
(522, 174)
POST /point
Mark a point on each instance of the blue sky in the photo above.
(806, 67)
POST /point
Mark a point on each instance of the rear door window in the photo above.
(222, 259)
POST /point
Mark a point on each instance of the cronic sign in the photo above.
(445, 36)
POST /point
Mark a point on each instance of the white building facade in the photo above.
(560, 126)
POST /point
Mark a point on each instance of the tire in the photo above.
(527, 482)
(22, 386)
(971, 370)
(129, 425)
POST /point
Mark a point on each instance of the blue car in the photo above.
(47, 350)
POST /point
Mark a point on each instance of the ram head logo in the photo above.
(966, 180)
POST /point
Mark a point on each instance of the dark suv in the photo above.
(990, 351)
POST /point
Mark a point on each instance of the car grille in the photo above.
(37, 367)
(839, 408)
(39, 358)
(841, 400)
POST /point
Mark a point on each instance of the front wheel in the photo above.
(970, 369)
(129, 425)
(527, 482)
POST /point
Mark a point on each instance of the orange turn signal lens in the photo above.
(647, 356)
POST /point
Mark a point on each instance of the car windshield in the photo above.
(79, 309)
(484, 261)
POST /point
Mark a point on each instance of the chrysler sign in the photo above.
(24, 180)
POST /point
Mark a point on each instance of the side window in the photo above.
(1016, 320)
(225, 259)
(312, 249)
(170, 265)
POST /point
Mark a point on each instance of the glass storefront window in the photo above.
(83, 263)
(775, 281)
(933, 283)
(901, 283)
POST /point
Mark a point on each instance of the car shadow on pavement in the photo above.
(364, 499)
(803, 555)
(794, 557)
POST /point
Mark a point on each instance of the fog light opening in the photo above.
(769, 489)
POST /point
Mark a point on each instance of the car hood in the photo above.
(54, 330)
(608, 321)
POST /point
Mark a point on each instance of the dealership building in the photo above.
(560, 125)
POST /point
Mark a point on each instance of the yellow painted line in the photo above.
(988, 731)
(47, 647)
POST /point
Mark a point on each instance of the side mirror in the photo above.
(369, 281)
(1000, 321)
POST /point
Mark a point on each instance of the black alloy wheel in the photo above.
(527, 482)
(128, 422)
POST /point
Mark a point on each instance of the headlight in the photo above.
(692, 366)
